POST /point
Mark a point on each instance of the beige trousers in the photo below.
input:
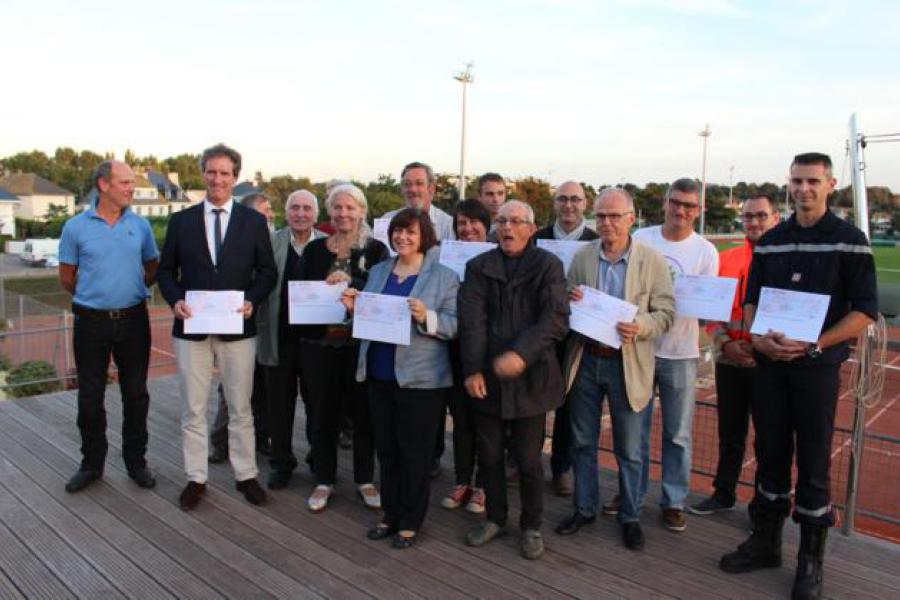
(236, 361)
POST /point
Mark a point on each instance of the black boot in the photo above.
(762, 550)
(810, 576)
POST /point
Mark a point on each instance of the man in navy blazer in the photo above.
(217, 245)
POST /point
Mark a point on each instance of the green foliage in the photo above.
(31, 378)
(5, 363)
(26, 228)
(536, 192)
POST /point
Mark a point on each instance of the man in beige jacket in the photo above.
(620, 267)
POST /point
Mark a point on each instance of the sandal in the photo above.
(381, 531)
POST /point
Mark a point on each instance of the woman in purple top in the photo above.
(407, 384)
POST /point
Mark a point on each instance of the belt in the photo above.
(601, 350)
(111, 315)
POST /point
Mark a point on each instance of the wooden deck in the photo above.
(117, 540)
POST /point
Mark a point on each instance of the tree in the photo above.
(55, 211)
(536, 192)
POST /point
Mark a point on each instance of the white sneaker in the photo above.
(368, 493)
(318, 500)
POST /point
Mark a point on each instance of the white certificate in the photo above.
(704, 297)
(214, 312)
(315, 303)
(563, 249)
(380, 233)
(798, 315)
(382, 318)
(456, 254)
(596, 316)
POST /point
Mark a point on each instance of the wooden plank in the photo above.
(32, 577)
(66, 564)
(155, 530)
(8, 590)
(263, 575)
(115, 528)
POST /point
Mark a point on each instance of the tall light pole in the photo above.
(465, 78)
(705, 135)
(730, 185)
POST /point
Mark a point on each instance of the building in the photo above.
(35, 195)
(9, 204)
(155, 195)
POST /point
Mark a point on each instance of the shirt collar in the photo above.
(625, 255)
(560, 233)
(209, 206)
(827, 223)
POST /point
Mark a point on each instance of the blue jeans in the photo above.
(599, 377)
(675, 380)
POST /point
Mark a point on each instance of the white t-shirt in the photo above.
(693, 255)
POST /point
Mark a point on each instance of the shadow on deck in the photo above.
(117, 540)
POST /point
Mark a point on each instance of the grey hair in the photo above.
(511, 204)
(429, 172)
(252, 199)
(102, 171)
(615, 191)
(685, 185)
(302, 193)
(348, 189)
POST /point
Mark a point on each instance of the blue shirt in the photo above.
(381, 356)
(611, 278)
(110, 260)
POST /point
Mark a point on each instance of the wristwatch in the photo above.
(813, 351)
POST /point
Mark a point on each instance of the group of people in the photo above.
(494, 347)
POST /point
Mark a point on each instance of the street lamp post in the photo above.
(730, 185)
(705, 135)
(465, 78)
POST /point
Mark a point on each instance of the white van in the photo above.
(39, 251)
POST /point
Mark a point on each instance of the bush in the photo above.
(5, 363)
(31, 378)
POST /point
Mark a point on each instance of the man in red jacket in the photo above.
(735, 366)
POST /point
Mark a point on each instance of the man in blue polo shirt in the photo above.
(107, 258)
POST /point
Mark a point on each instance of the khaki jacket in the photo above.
(649, 286)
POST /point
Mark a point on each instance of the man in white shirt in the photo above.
(417, 184)
(678, 349)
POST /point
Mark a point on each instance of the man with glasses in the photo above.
(677, 350)
(512, 311)
(569, 204)
(797, 383)
(637, 274)
(735, 365)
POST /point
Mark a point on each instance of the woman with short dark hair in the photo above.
(407, 384)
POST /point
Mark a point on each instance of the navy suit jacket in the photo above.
(246, 264)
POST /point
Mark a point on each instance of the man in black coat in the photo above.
(513, 310)
(569, 204)
(215, 246)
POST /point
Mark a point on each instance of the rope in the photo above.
(866, 381)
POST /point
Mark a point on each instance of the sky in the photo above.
(602, 91)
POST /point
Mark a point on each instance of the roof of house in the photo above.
(30, 184)
(6, 196)
(244, 188)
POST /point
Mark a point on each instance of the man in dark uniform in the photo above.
(798, 383)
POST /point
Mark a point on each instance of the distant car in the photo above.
(51, 261)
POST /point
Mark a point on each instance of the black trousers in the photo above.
(465, 442)
(735, 387)
(406, 424)
(330, 374)
(282, 384)
(218, 433)
(527, 441)
(127, 341)
(561, 457)
(795, 403)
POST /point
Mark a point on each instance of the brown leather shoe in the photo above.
(252, 491)
(674, 519)
(190, 495)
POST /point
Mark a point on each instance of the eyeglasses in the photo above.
(684, 205)
(513, 221)
(759, 216)
(611, 217)
(569, 199)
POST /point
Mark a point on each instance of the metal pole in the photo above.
(730, 185)
(68, 353)
(861, 209)
(21, 326)
(465, 78)
(705, 135)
